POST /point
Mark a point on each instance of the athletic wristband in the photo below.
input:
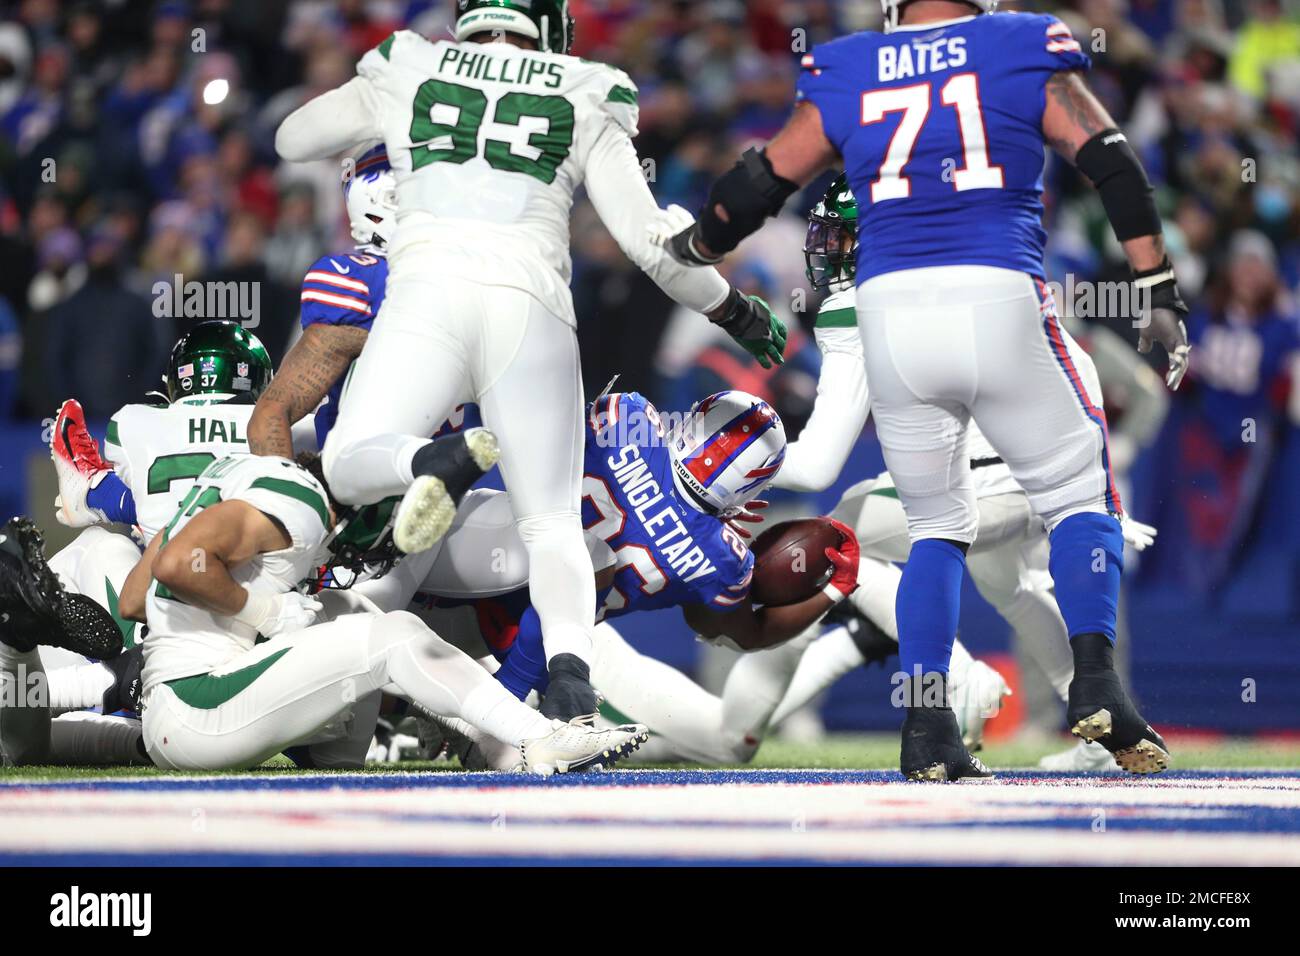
(256, 610)
(834, 593)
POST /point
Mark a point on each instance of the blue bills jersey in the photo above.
(342, 289)
(348, 289)
(667, 553)
(940, 128)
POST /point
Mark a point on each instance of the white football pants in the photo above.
(439, 340)
(947, 344)
(290, 688)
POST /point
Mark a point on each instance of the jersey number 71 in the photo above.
(961, 92)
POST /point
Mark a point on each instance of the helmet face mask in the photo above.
(831, 245)
(361, 543)
(546, 21)
(218, 357)
(725, 451)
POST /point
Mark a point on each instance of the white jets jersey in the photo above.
(185, 640)
(488, 143)
(159, 451)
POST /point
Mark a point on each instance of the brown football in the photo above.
(790, 563)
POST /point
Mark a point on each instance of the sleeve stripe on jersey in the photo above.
(1064, 46)
(329, 278)
(111, 435)
(621, 94)
(293, 489)
(343, 302)
(725, 601)
(838, 319)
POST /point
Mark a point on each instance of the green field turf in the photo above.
(837, 751)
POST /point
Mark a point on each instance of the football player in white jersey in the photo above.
(489, 135)
(224, 571)
(153, 454)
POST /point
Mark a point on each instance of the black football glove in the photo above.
(1162, 321)
(752, 323)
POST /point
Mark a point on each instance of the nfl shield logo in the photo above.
(242, 369)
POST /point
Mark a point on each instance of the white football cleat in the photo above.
(580, 745)
(429, 506)
(976, 698)
(1082, 757)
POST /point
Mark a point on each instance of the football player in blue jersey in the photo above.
(940, 124)
(341, 295)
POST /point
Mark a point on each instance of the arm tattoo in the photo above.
(311, 368)
(1072, 115)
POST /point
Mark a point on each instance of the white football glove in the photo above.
(274, 614)
(666, 223)
(1140, 536)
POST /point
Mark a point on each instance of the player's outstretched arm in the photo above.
(1079, 128)
(311, 368)
(334, 122)
(135, 589)
(756, 188)
(815, 459)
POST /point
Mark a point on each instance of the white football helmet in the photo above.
(726, 450)
(891, 10)
(370, 194)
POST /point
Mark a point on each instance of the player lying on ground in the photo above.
(489, 136)
(224, 571)
(958, 325)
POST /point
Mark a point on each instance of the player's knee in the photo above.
(557, 526)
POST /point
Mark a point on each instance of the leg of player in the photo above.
(921, 421)
(679, 711)
(86, 739)
(531, 396)
(1039, 404)
(24, 709)
(286, 689)
(414, 370)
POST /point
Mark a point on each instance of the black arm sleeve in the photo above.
(1109, 161)
(749, 192)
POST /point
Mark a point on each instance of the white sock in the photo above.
(825, 661)
(79, 686)
(494, 710)
(371, 468)
(561, 581)
(661, 697)
(877, 593)
(754, 690)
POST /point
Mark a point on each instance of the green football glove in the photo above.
(752, 323)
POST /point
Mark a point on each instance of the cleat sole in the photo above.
(483, 448)
(1094, 726)
(424, 515)
(1143, 758)
(935, 773)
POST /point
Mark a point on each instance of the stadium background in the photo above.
(116, 174)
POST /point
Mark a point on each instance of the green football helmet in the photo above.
(546, 21)
(830, 248)
(361, 542)
(218, 356)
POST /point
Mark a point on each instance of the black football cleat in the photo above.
(1101, 710)
(35, 609)
(444, 470)
(932, 747)
(569, 693)
(124, 694)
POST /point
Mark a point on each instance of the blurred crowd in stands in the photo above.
(136, 147)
